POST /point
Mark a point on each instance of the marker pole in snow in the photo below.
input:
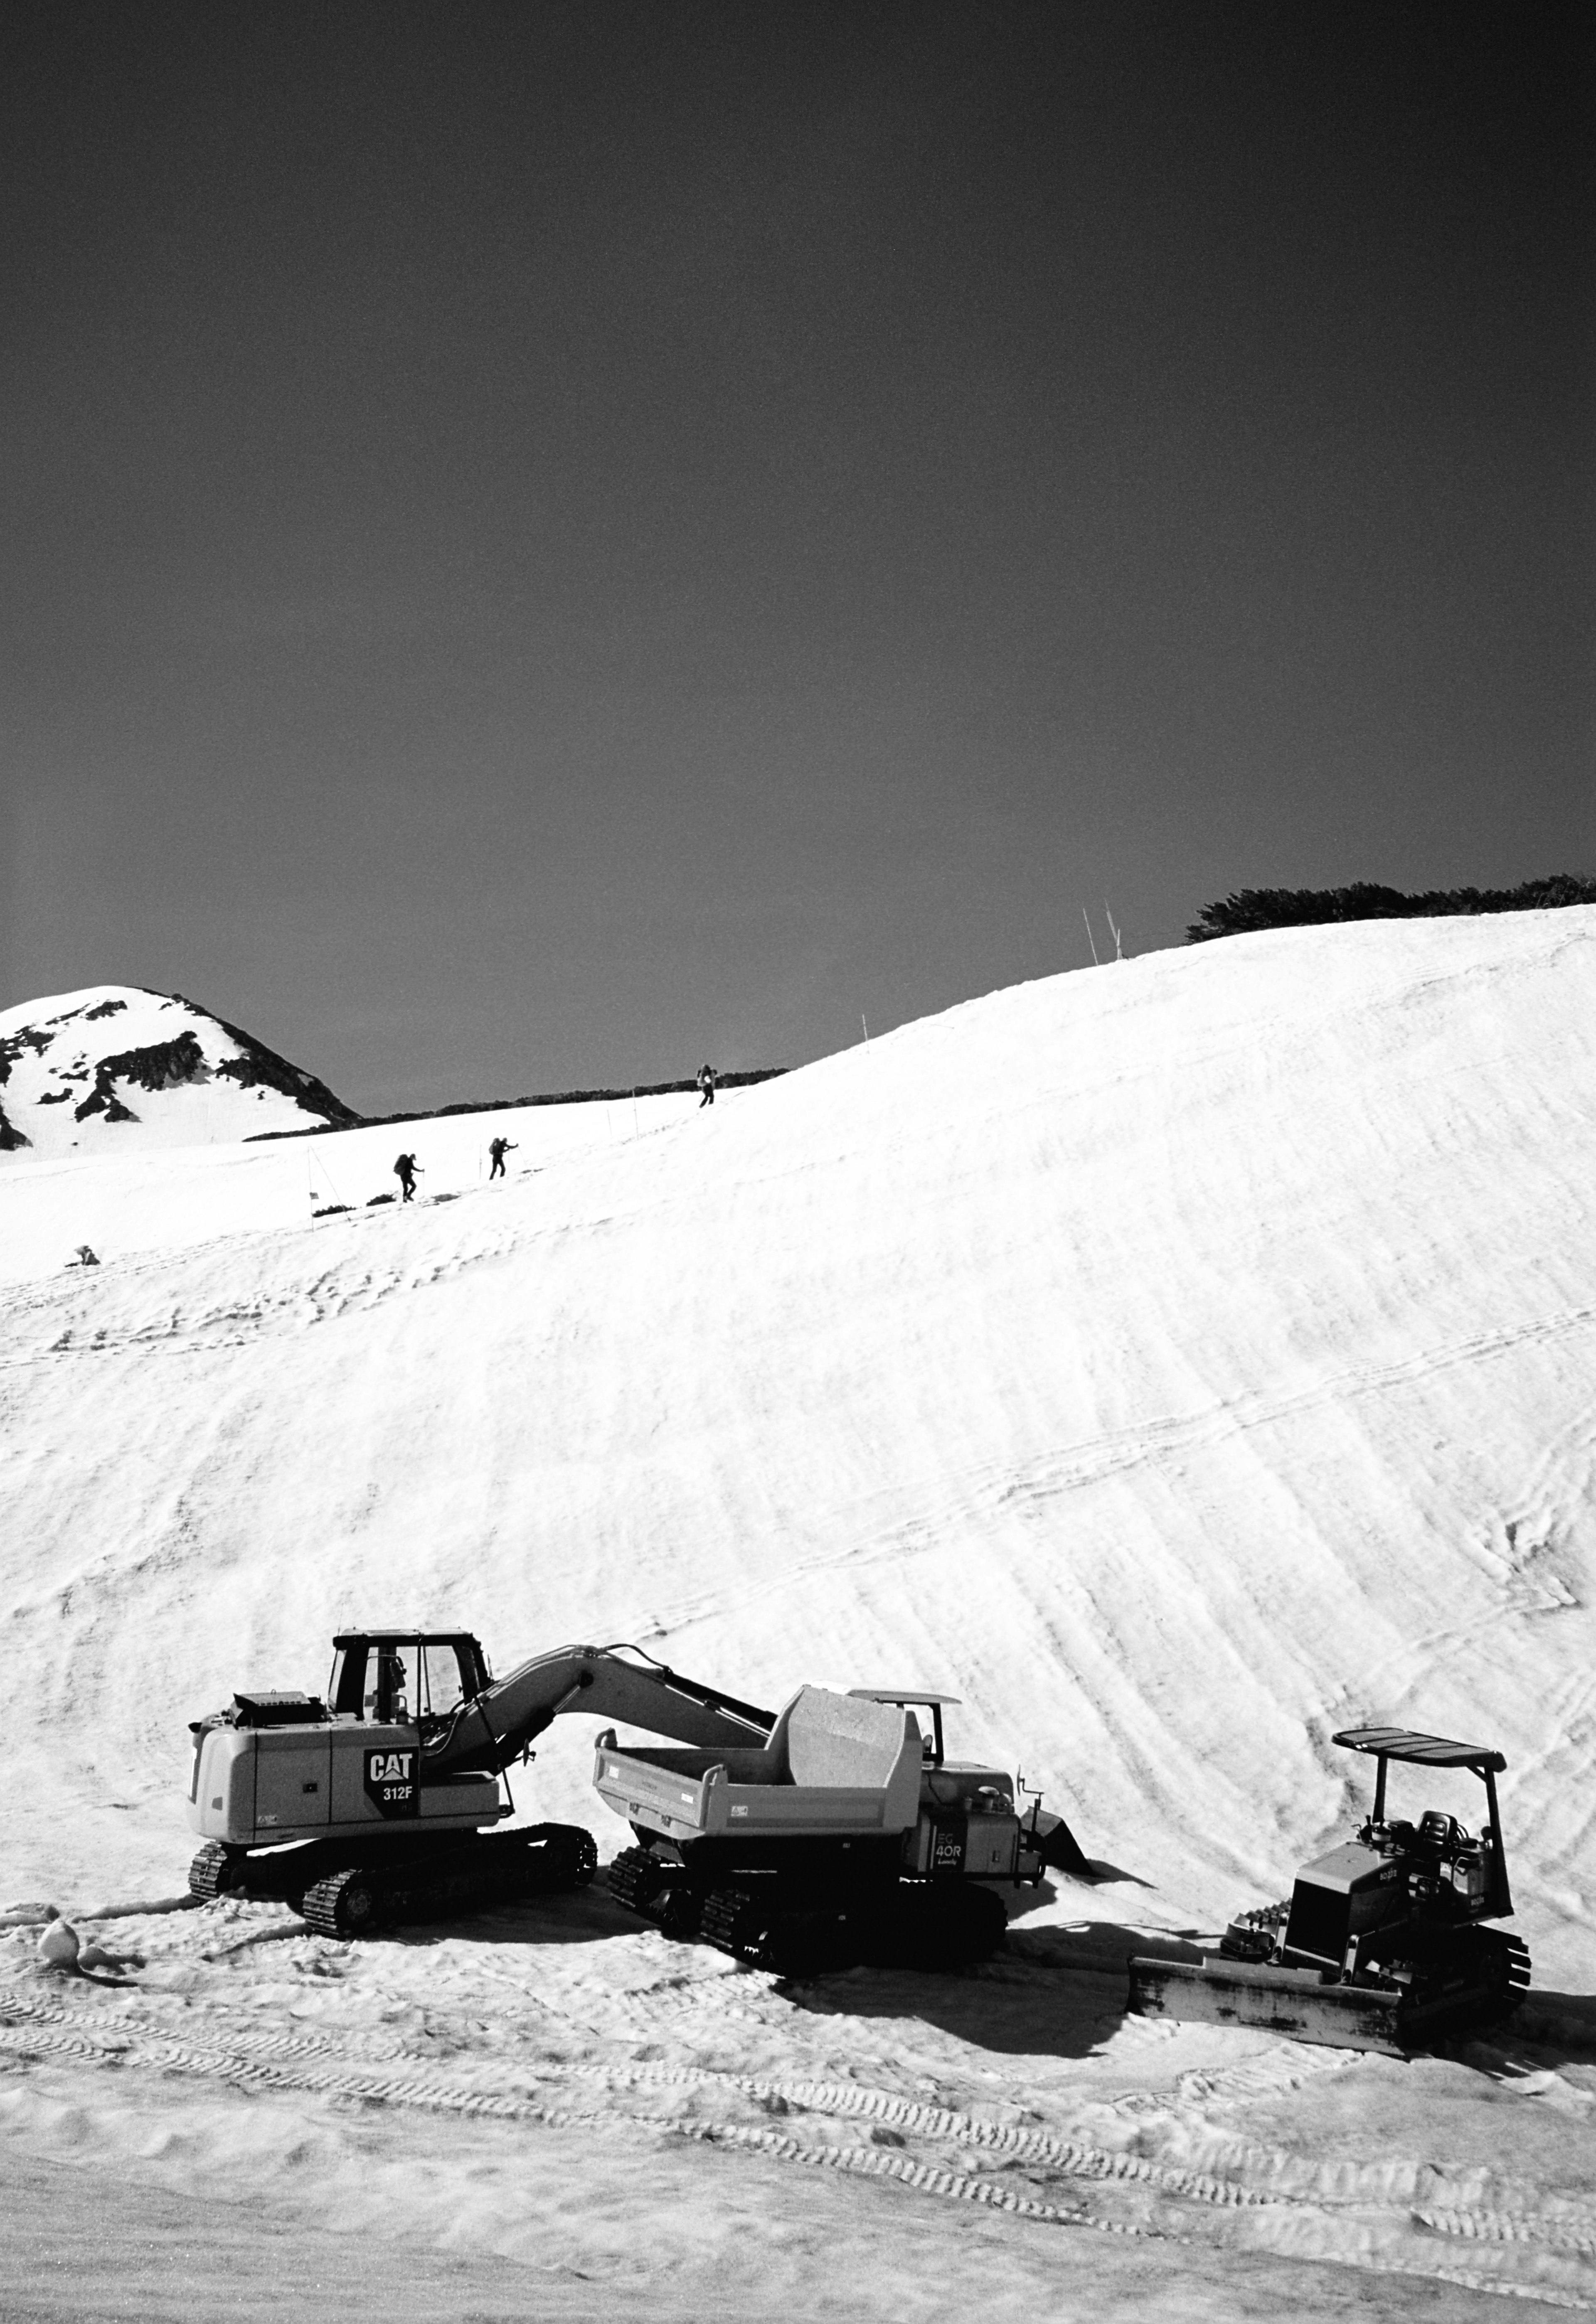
(866, 1031)
(1091, 939)
(316, 1170)
(1113, 931)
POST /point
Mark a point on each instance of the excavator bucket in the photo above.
(1292, 2002)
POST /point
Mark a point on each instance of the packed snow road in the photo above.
(549, 2087)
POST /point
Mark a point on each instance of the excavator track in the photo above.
(571, 1860)
(216, 1871)
(347, 1903)
(547, 1859)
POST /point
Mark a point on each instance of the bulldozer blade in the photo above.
(1293, 2002)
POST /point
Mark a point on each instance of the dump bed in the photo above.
(834, 1763)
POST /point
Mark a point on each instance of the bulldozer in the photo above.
(375, 1803)
(845, 1835)
(1382, 1944)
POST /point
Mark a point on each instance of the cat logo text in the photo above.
(391, 1782)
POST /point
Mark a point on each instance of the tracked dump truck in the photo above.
(1382, 1944)
(844, 1836)
(377, 1801)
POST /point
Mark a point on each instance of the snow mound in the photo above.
(115, 1068)
(1179, 1361)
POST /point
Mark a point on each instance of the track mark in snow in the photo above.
(848, 2100)
(297, 1306)
(1271, 2075)
(982, 1490)
(30, 2043)
(1512, 2228)
(247, 2052)
(33, 2031)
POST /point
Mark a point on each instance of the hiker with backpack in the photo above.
(497, 1149)
(404, 1170)
(705, 1079)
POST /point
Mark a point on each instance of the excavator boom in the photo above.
(498, 1723)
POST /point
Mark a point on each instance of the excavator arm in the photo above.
(500, 1723)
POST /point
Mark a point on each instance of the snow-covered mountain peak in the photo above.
(113, 1068)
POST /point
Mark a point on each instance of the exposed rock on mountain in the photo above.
(115, 1068)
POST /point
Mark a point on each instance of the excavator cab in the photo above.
(405, 1677)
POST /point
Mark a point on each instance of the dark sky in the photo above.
(543, 543)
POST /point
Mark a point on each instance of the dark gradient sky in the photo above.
(543, 543)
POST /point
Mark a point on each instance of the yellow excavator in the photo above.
(376, 1802)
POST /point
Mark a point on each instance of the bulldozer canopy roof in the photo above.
(1423, 1750)
(402, 1637)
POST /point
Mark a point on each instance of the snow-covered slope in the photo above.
(115, 1069)
(167, 1201)
(1179, 1361)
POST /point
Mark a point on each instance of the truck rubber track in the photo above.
(783, 1936)
(656, 1889)
(914, 1926)
(633, 1879)
(938, 1926)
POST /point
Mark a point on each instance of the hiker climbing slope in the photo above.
(405, 1170)
(497, 1149)
(706, 1080)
